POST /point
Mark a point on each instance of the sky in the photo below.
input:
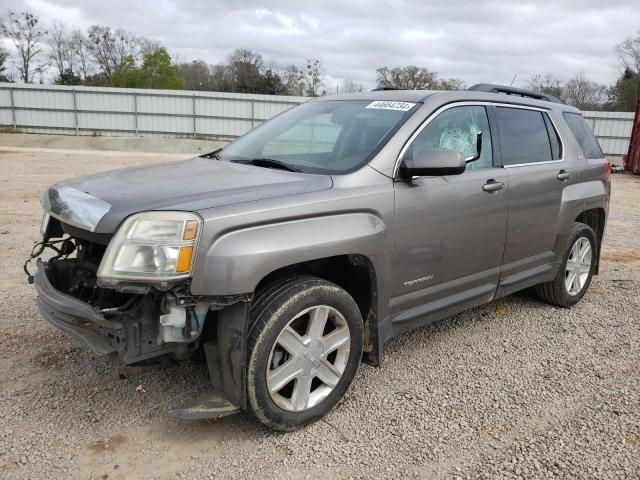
(474, 40)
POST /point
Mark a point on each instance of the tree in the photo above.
(109, 48)
(450, 84)
(68, 77)
(82, 64)
(3, 64)
(244, 69)
(624, 95)
(272, 84)
(629, 53)
(546, 83)
(159, 72)
(61, 50)
(222, 78)
(313, 73)
(294, 80)
(583, 93)
(24, 30)
(127, 74)
(196, 75)
(349, 86)
(406, 78)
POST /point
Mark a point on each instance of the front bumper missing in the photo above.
(76, 317)
(225, 355)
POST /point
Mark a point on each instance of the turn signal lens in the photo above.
(184, 259)
(190, 230)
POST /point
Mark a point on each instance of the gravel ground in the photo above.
(514, 389)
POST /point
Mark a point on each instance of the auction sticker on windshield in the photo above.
(387, 105)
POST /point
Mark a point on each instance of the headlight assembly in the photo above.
(151, 246)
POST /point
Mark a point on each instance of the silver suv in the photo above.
(291, 255)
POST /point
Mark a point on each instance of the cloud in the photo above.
(476, 41)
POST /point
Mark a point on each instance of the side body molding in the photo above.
(237, 260)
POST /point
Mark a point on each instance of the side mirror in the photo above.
(433, 162)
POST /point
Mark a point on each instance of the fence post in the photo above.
(135, 111)
(13, 108)
(75, 110)
(193, 108)
(253, 112)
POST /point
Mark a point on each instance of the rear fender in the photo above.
(576, 199)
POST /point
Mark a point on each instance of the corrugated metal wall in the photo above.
(124, 111)
(612, 129)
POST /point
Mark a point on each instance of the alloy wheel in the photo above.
(578, 266)
(308, 358)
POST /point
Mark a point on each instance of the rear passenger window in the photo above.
(556, 145)
(523, 136)
(583, 134)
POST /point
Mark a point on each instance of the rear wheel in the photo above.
(576, 271)
(305, 346)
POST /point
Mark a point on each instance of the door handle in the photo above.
(492, 186)
(563, 175)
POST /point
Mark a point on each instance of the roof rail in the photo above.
(520, 92)
(380, 89)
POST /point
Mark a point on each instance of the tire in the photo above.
(279, 312)
(556, 291)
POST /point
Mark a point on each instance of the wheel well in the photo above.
(595, 218)
(354, 273)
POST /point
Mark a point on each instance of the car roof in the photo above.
(387, 95)
(453, 96)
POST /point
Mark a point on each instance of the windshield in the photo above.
(331, 137)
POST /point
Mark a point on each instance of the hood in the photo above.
(99, 202)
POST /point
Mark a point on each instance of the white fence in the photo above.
(612, 129)
(125, 112)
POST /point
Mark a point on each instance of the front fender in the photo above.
(236, 261)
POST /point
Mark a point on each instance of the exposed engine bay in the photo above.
(140, 321)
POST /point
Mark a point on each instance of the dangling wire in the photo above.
(66, 248)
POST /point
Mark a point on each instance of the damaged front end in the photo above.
(136, 320)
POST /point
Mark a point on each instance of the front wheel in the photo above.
(304, 348)
(576, 271)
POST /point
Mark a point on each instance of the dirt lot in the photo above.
(514, 389)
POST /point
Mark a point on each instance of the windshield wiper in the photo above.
(215, 154)
(269, 163)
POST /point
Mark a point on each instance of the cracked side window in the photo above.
(457, 129)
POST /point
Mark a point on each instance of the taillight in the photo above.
(607, 168)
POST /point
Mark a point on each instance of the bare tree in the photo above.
(313, 71)
(24, 30)
(196, 75)
(293, 79)
(245, 70)
(60, 42)
(109, 48)
(629, 53)
(350, 86)
(583, 93)
(3, 64)
(83, 65)
(546, 83)
(450, 84)
(148, 45)
(406, 78)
